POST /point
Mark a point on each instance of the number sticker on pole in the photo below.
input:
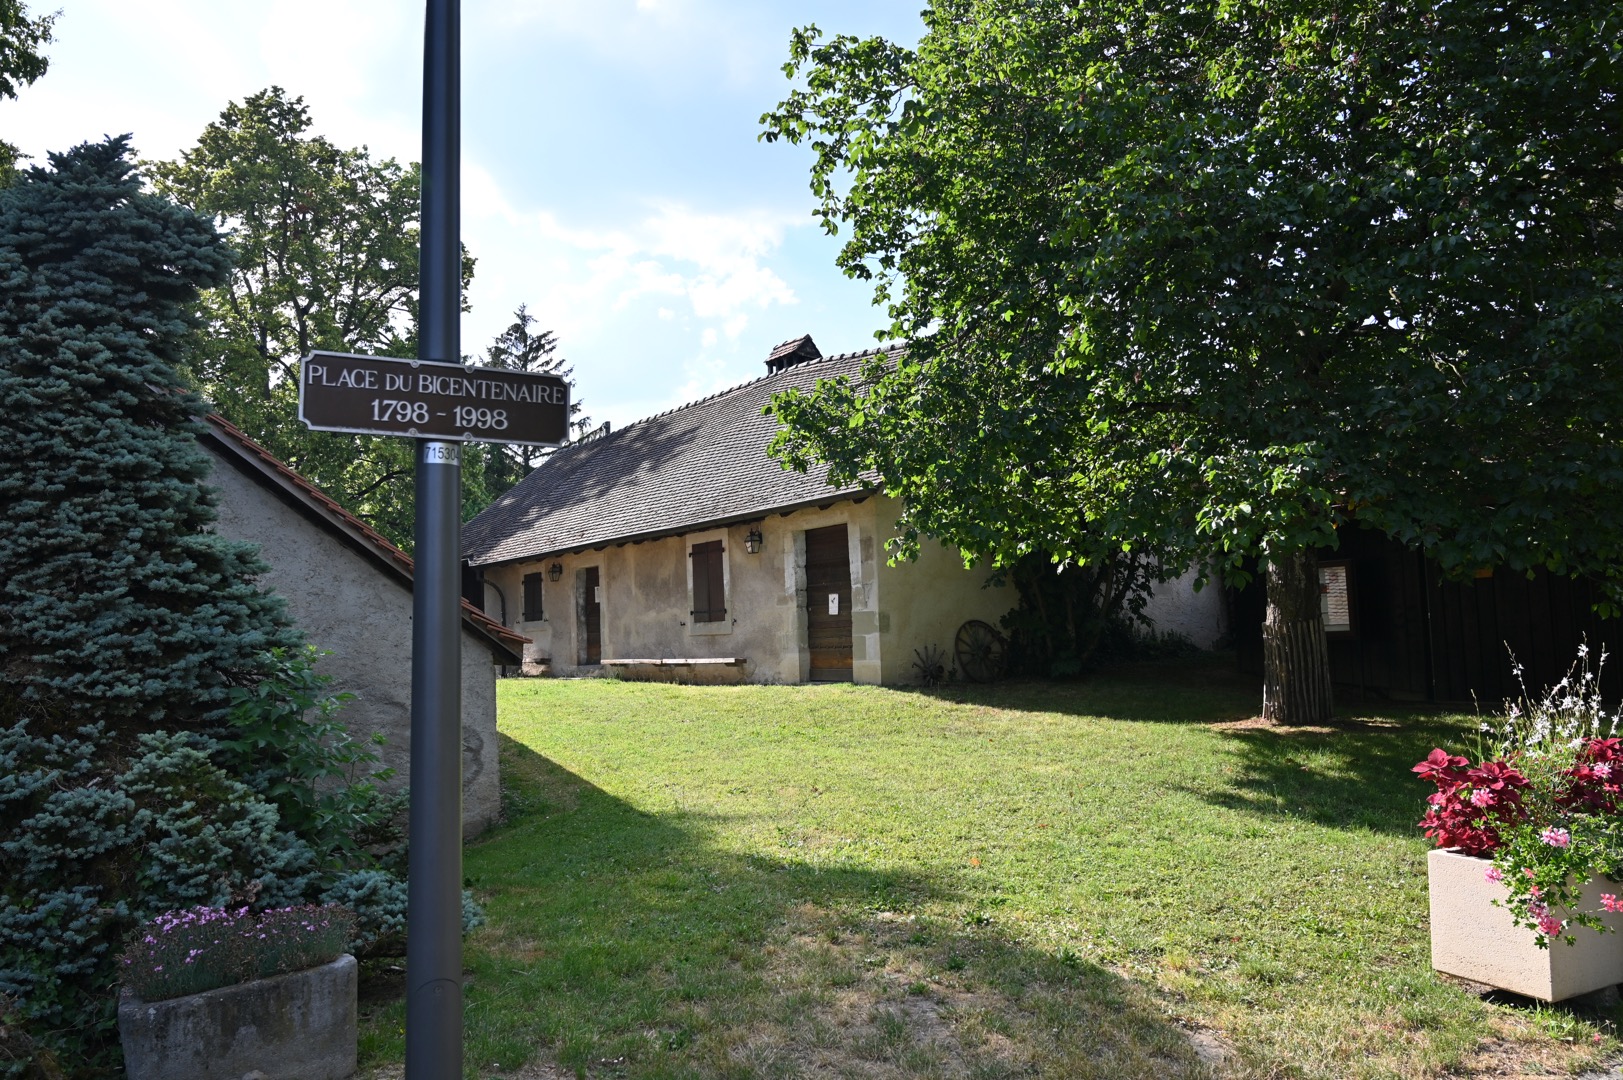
(379, 395)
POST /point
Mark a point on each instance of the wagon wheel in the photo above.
(980, 651)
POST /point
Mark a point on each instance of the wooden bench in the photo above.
(699, 669)
(725, 661)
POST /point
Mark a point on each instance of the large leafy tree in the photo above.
(522, 347)
(1225, 275)
(22, 60)
(326, 243)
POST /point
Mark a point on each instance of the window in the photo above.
(709, 583)
(532, 598)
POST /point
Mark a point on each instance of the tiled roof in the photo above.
(699, 465)
(359, 535)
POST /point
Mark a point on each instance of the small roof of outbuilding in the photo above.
(507, 646)
(701, 465)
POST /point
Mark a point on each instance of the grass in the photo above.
(1115, 879)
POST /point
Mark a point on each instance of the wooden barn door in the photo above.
(828, 603)
(592, 616)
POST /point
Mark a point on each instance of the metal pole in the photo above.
(434, 893)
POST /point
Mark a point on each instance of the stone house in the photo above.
(676, 548)
(349, 589)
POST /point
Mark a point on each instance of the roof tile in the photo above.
(696, 465)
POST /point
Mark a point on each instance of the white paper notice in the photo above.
(597, 594)
(833, 603)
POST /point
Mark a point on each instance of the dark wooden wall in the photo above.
(1420, 637)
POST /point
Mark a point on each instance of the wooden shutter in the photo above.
(709, 583)
(532, 598)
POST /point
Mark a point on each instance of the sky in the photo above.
(612, 178)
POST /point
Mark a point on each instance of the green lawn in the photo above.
(1071, 881)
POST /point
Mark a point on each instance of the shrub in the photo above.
(204, 948)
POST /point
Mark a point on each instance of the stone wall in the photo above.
(348, 605)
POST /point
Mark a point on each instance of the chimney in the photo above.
(790, 353)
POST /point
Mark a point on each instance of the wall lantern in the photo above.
(555, 571)
(752, 542)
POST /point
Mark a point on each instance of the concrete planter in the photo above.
(1476, 940)
(299, 1026)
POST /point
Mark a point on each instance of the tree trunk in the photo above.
(1295, 660)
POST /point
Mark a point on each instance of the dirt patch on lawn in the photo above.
(889, 996)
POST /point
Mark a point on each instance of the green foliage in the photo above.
(22, 60)
(378, 900)
(151, 735)
(325, 245)
(287, 743)
(116, 603)
(1066, 612)
(519, 349)
(94, 841)
(1220, 275)
(22, 44)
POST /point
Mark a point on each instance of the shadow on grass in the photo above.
(623, 943)
(1201, 689)
(1355, 774)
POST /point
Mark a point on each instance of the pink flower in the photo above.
(1493, 873)
(1603, 770)
(1555, 837)
(1481, 797)
(1610, 902)
(1549, 925)
(1538, 910)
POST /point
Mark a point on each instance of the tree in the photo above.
(165, 741)
(116, 602)
(1227, 276)
(22, 61)
(325, 243)
(518, 348)
(126, 627)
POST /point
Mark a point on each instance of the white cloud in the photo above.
(578, 278)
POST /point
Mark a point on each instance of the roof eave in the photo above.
(260, 463)
(839, 495)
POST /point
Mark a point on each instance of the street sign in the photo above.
(379, 395)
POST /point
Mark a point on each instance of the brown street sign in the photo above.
(379, 395)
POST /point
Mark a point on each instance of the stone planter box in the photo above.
(299, 1026)
(1474, 939)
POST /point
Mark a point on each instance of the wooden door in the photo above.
(592, 613)
(828, 603)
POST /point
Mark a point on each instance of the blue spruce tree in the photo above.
(115, 602)
(124, 624)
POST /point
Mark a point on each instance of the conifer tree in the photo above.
(521, 347)
(115, 602)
